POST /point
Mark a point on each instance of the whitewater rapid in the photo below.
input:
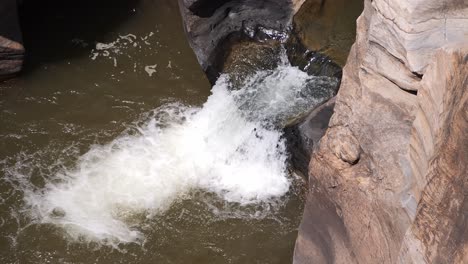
(232, 146)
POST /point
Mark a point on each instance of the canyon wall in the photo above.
(11, 47)
(389, 180)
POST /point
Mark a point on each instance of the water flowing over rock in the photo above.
(250, 30)
(241, 38)
(388, 181)
(11, 48)
(212, 25)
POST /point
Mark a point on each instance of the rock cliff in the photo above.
(389, 179)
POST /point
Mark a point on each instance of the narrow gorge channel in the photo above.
(115, 150)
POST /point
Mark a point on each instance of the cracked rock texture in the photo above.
(11, 47)
(389, 179)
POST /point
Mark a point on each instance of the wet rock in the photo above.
(328, 26)
(303, 135)
(11, 48)
(212, 26)
(439, 164)
(402, 197)
(241, 38)
(344, 145)
(310, 61)
(217, 29)
(58, 212)
(245, 58)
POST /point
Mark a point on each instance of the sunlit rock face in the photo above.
(388, 181)
(11, 48)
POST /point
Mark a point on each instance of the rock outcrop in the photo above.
(213, 25)
(389, 179)
(249, 33)
(11, 47)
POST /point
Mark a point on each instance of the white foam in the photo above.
(227, 147)
(151, 69)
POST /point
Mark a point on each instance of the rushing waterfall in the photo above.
(232, 147)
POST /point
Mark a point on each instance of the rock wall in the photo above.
(389, 180)
(11, 47)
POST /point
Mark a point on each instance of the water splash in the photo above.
(230, 147)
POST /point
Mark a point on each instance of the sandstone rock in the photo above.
(344, 145)
(439, 163)
(11, 49)
(328, 26)
(11, 57)
(403, 107)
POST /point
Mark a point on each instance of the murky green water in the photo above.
(95, 71)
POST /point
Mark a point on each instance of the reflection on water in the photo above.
(91, 174)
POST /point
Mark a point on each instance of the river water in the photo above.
(115, 149)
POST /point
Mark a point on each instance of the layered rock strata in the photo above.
(389, 179)
(11, 48)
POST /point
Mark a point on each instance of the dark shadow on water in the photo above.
(49, 26)
(8, 20)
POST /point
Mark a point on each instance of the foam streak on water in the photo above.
(229, 147)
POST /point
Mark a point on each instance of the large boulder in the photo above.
(11, 47)
(242, 37)
(388, 180)
(212, 26)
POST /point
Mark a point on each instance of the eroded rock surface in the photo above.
(213, 25)
(11, 48)
(389, 180)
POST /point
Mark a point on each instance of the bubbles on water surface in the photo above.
(230, 147)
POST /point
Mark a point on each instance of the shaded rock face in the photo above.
(388, 180)
(213, 25)
(303, 136)
(11, 48)
(328, 26)
(222, 31)
(241, 38)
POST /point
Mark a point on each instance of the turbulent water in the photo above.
(232, 147)
(113, 149)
